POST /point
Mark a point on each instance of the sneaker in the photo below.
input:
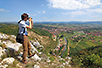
(31, 55)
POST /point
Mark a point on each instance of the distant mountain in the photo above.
(70, 22)
(74, 22)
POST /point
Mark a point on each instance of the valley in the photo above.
(79, 42)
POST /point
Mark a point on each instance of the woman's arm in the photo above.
(30, 23)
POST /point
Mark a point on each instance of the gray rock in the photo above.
(36, 66)
(33, 49)
(0, 51)
(5, 62)
(36, 58)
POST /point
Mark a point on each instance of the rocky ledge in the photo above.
(11, 55)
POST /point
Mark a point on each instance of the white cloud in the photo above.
(1, 9)
(42, 5)
(43, 11)
(75, 13)
(79, 13)
(38, 11)
(4, 10)
(95, 10)
(73, 4)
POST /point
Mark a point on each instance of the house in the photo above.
(60, 40)
(100, 40)
(54, 37)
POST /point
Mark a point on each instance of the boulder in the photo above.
(3, 36)
(3, 66)
(13, 36)
(14, 46)
(37, 44)
(36, 66)
(5, 62)
(36, 58)
(60, 66)
(0, 51)
(33, 49)
(19, 66)
(8, 60)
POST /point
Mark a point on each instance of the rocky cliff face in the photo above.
(44, 40)
(11, 53)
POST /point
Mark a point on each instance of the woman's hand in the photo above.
(30, 19)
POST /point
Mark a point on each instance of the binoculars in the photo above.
(29, 17)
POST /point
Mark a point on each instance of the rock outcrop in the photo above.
(9, 47)
(5, 62)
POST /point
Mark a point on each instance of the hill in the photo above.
(14, 49)
(72, 22)
(89, 57)
(83, 43)
(43, 36)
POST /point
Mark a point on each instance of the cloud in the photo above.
(38, 11)
(4, 10)
(79, 13)
(75, 13)
(43, 11)
(73, 4)
(99, 10)
(42, 5)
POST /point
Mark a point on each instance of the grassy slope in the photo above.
(12, 29)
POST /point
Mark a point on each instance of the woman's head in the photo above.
(24, 16)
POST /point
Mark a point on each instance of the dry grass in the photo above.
(3, 46)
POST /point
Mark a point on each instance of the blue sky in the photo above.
(51, 10)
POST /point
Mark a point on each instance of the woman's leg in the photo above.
(29, 48)
(25, 48)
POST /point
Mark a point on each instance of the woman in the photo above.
(23, 30)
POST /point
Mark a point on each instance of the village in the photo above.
(58, 30)
(73, 29)
(77, 36)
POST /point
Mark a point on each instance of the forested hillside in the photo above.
(46, 40)
(90, 57)
(13, 29)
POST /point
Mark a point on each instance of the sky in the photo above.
(51, 10)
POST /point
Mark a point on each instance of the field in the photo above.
(84, 43)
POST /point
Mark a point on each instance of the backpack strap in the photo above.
(22, 27)
(24, 30)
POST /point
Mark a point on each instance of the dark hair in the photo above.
(19, 21)
(24, 15)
